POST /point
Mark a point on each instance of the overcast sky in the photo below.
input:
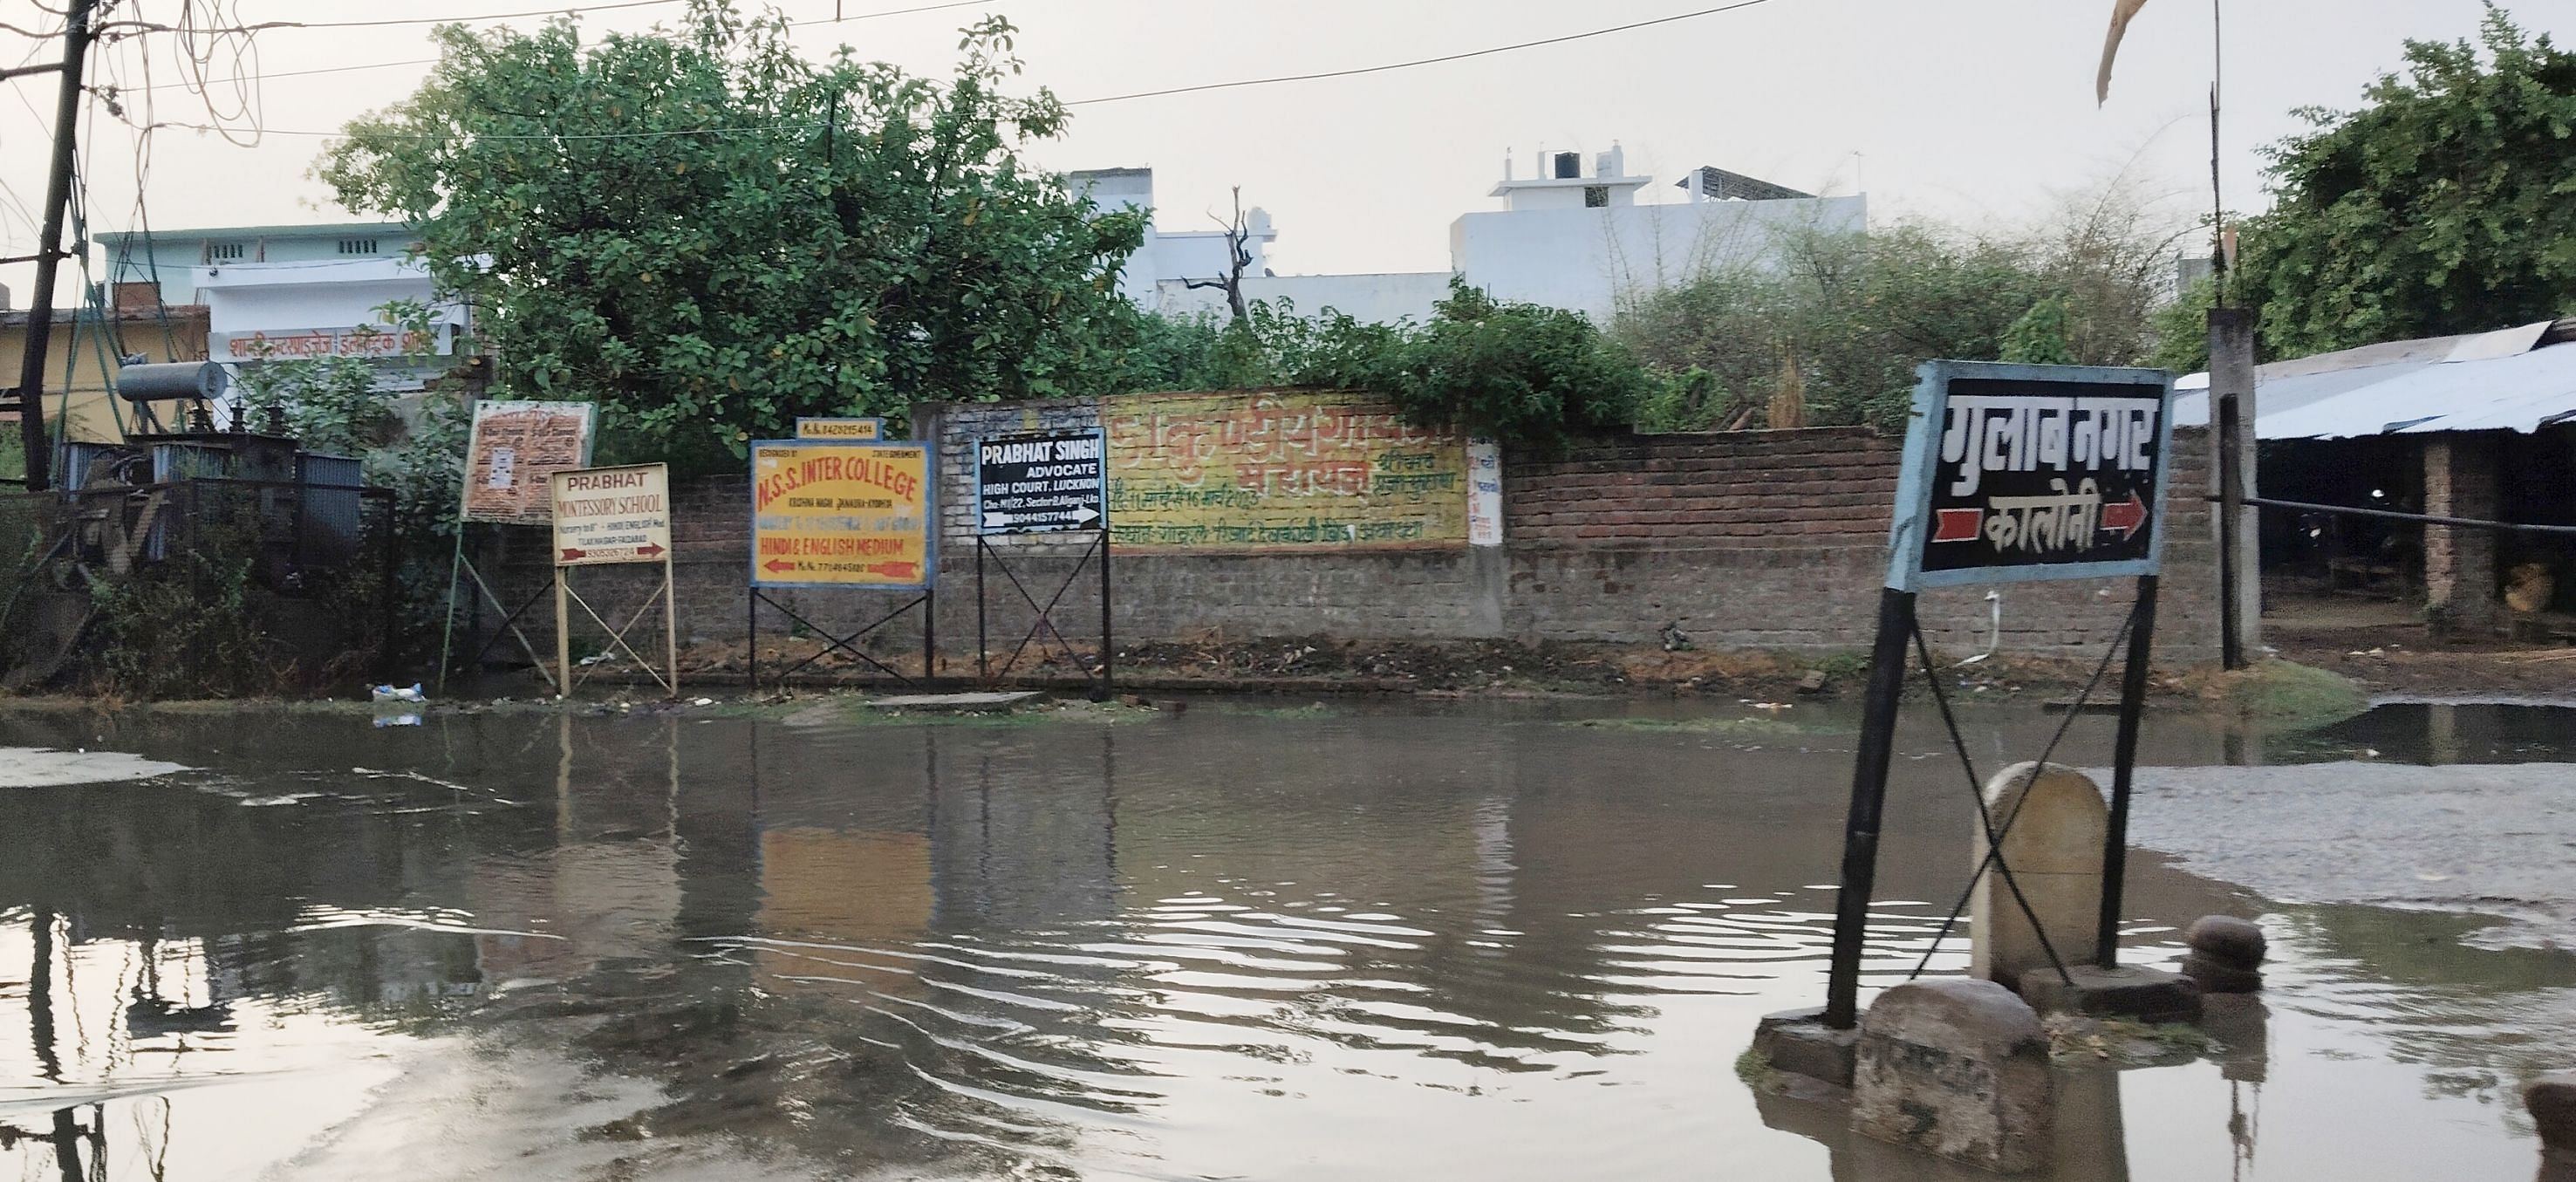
(1968, 110)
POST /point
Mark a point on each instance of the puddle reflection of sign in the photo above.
(607, 515)
(1028, 484)
(833, 514)
(2027, 472)
(513, 448)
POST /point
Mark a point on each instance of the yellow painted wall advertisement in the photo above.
(1280, 469)
(849, 515)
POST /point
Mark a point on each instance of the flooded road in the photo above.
(1372, 941)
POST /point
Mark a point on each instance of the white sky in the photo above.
(1962, 109)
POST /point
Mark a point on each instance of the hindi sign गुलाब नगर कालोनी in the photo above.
(2016, 473)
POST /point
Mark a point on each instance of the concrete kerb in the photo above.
(2552, 1101)
(2092, 991)
(1798, 1042)
(1958, 1069)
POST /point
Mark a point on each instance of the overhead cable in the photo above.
(1427, 61)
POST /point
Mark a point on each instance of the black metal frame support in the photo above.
(847, 644)
(1887, 664)
(2124, 765)
(503, 629)
(1044, 625)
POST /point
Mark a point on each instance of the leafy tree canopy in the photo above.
(709, 235)
(1848, 317)
(2445, 205)
(1521, 373)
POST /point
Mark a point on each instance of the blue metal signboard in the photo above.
(2027, 473)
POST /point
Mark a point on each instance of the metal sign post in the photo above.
(843, 514)
(2013, 474)
(511, 451)
(614, 516)
(1043, 483)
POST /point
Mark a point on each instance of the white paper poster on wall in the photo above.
(1484, 493)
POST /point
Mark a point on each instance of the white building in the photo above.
(1564, 239)
(288, 292)
(1583, 242)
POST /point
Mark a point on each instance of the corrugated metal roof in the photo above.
(2510, 380)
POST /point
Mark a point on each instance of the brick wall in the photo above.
(1765, 539)
(1778, 539)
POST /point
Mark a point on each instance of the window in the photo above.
(227, 252)
(1596, 196)
(357, 246)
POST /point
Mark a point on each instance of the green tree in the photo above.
(1517, 372)
(2446, 204)
(1852, 315)
(710, 235)
(412, 444)
(2182, 329)
(2039, 337)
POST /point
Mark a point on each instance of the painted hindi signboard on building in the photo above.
(1042, 483)
(511, 451)
(611, 515)
(2016, 473)
(850, 515)
(1280, 469)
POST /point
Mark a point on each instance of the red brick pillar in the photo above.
(2460, 564)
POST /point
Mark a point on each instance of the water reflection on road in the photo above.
(1377, 942)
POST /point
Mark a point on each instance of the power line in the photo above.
(1202, 87)
(431, 61)
(1427, 61)
(453, 20)
(274, 26)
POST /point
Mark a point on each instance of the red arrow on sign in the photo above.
(2124, 517)
(1957, 525)
(569, 554)
(779, 566)
(648, 549)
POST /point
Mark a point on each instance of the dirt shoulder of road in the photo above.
(1480, 668)
(2392, 659)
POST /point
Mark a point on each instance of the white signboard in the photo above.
(1484, 493)
(605, 515)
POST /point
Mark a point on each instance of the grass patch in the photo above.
(1742, 728)
(2076, 1039)
(1247, 710)
(1755, 1069)
(1045, 713)
(2287, 693)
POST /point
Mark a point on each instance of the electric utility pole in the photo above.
(49, 245)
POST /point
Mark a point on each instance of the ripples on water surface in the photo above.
(1362, 944)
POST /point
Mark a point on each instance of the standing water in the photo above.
(1240, 942)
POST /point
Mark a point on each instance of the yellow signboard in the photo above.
(1280, 469)
(605, 515)
(850, 515)
(845, 430)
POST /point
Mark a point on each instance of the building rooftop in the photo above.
(316, 229)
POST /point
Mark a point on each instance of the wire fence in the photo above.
(198, 586)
